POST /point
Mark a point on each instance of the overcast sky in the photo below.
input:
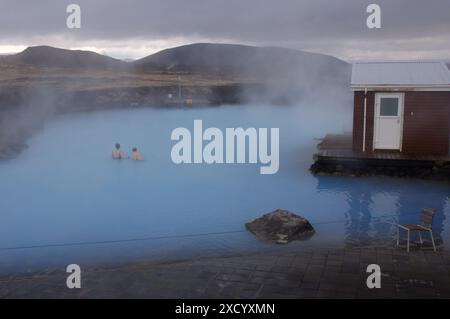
(411, 29)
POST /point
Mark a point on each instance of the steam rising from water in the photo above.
(266, 75)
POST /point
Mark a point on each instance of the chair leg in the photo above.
(432, 240)
(420, 238)
(407, 245)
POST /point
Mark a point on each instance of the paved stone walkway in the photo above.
(319, 273)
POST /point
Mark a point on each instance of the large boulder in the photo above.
(280, 226)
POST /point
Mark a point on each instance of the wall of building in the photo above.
(358, 121)
(425, 126)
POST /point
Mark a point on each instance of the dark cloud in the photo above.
(323, 25)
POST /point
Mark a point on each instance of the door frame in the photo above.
(378, 96)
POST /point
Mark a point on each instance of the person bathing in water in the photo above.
(136, 155)
(117, 152)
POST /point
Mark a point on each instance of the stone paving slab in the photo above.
(319, 273)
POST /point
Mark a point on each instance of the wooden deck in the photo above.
(336, 142)
(339, 147)
(335, 156)
(349, 154)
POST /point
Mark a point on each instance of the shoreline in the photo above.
(11, 150)
(313, 273)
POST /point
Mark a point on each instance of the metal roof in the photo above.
(400, 74)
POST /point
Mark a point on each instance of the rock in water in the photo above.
(280, 226)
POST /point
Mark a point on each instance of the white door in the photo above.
(388, 121)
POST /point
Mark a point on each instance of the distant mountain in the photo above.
(206, 58)
(46, 56)
(237, 59)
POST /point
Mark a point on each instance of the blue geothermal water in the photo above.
(64, 200)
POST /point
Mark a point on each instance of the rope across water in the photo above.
(115, 241)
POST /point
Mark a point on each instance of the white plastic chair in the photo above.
(426, 219)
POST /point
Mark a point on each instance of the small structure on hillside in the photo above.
(401, 122)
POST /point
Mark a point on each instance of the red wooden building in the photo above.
(401, 107)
